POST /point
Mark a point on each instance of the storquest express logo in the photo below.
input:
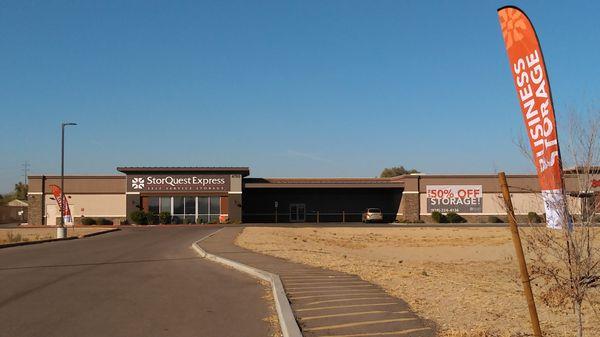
(178, 183)
(137, 183)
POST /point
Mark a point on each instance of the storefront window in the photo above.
(190, 206)
(202, 205)
(165, 204)
(215, 209)
(153, 206)
(178, 207)
(192, 209)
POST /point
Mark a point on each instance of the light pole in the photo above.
(61, 231)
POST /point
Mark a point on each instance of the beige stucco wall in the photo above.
(235, 183)
(94, 205)
(522, 202)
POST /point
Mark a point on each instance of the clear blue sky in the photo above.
(289, 88)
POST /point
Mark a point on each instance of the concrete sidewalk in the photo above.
(328, 303)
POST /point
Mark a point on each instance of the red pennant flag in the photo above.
(62, 202)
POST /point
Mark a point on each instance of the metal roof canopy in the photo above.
(322, 183)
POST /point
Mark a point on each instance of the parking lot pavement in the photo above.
(329, 303)
(135, 282)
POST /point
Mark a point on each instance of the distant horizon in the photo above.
(289, 89)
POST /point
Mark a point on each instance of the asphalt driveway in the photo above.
(135, 282)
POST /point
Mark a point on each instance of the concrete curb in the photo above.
(287, 321)
(26, 243)
(98, 233)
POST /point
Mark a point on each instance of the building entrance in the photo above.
(297, 212)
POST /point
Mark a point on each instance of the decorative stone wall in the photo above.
(36, 213)
(409, 207)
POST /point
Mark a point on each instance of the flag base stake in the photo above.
(533, 315)
(61, 232)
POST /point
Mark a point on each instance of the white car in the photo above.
(372, 215)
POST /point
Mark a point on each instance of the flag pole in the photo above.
(533, 315)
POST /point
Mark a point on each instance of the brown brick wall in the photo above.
(10, 214)
(234, 207)
(133, 204)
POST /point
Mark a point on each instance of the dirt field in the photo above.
(464, 279)
(8, 235)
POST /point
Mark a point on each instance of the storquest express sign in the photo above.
(177, 183)
(454, 198)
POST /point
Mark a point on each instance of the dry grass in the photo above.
(10, 235)
(464, 279)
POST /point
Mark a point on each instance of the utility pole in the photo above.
(61, 231)
(25, 170)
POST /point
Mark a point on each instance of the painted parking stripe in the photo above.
(308, 318)
(314, 277)
(331, 278)
(348, 325)
(318, 275)
(347, 299)
(322, 284)
(333, 295)
(388, 333)
(333, 287)
(325, 282)
(347, 306)
(329, 291)
(305, 272)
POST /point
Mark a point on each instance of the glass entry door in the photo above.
(297, 212)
